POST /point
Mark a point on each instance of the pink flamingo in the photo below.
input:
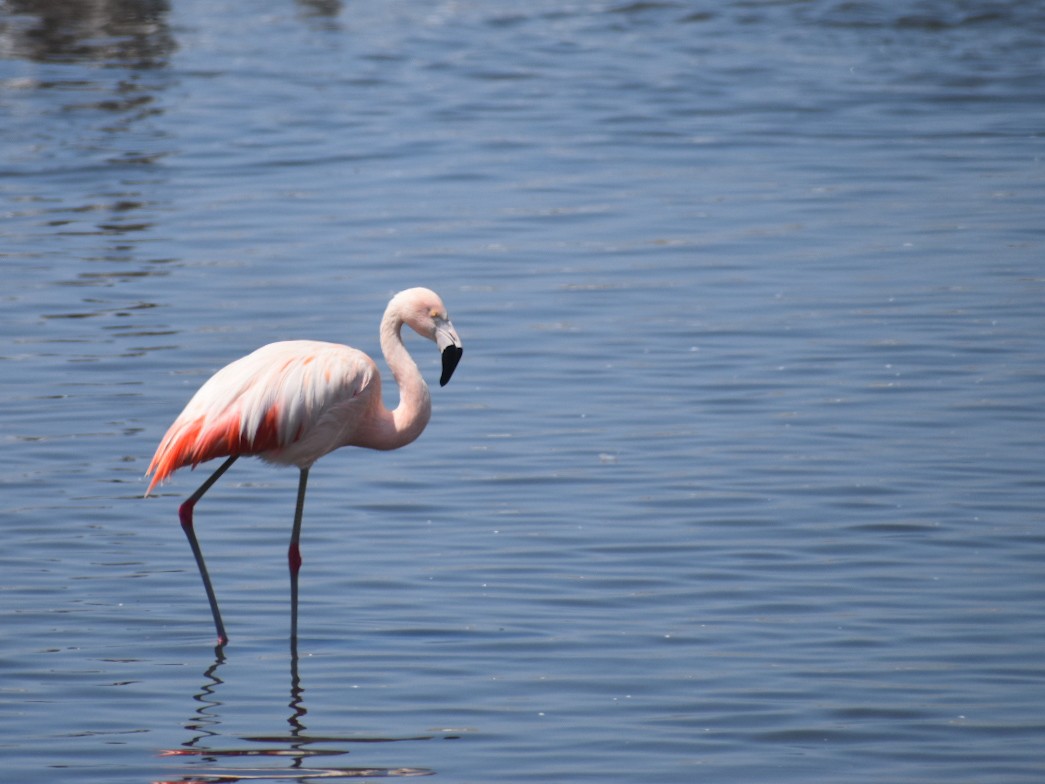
(294, 401)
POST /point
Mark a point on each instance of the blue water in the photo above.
(740, 478)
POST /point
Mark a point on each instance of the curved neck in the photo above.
(404, 423)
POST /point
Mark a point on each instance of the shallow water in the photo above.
(739, 478)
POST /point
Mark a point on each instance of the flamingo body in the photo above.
(294, 401)
(288, 403)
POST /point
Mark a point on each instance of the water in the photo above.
(740, 478)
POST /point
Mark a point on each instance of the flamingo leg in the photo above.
(185, 515)
(294, 557)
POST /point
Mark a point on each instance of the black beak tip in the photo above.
(451, 356)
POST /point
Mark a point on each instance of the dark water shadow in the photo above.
(291, 755)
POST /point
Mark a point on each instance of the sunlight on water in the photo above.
(738, 480)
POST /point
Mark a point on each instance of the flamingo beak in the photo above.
(450, 347)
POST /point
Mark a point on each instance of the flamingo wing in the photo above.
(289, 402)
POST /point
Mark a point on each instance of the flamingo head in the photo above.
(426, 314)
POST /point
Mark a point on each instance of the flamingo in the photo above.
(292, 402)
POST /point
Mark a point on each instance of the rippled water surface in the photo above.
(740, 478)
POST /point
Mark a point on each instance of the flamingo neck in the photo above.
(406, 421)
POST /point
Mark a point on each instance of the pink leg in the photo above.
(185, 515)
(294, 558)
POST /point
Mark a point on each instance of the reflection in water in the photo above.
(126, 32)
(322, 9)
(81, 178)
(208, 703)
(296, 745)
